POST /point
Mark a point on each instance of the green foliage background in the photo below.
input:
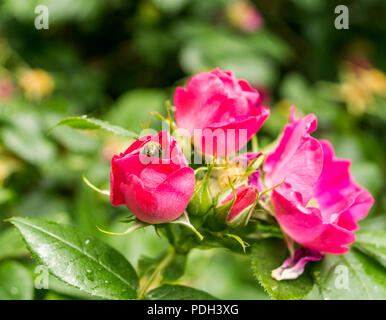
(117, 60)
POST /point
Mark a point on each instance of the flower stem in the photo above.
(255, 144)
(156, 273)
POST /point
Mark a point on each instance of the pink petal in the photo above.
(298, 159)
(176, 191)
(245, 197)
(226, 138)
(306, 226)
(338, 193)
(120, 168)
(358, 210)
(293, 269)
(215, 100)
(163, 204)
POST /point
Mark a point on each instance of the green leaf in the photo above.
(177, 292)
(70, 10)
(23, 135)
(6, 195)
(134, 107)
(170, 6)
(377, 222)
(92, 124)
(76, 141)
(146, 264)
(88, 212)
(79, 259)
(366, 173)
(372, 243)
(350, 276)
(58, 286)
(268, 43)
(269, 254)
(29, 145)
(11, 245)
(15, 282)
(176, 268)
(172, 271)
(314, 294)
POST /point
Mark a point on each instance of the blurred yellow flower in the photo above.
(36, 84)
(8, 165)
(359, 87)
(374, 80)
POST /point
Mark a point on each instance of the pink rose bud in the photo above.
(319, 203)
(220, 112)
(239, 208)
(152, 179)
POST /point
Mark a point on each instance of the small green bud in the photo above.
(218, 216)
(202, 200)
(241, 220)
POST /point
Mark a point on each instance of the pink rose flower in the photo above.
(226, 112)
(152, 179)
(319, 203)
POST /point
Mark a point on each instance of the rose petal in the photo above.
(295, 269)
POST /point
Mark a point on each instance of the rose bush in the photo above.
(286, 205)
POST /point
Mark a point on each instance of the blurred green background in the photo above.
(117, 60)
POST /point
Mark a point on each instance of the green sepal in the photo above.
(104, 192)
(242, 219)
(218, 216)
(136, 224)
(184, 221)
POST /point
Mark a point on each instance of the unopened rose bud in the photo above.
(240, 212)
(234, 208)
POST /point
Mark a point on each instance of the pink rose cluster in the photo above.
(317, 202)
